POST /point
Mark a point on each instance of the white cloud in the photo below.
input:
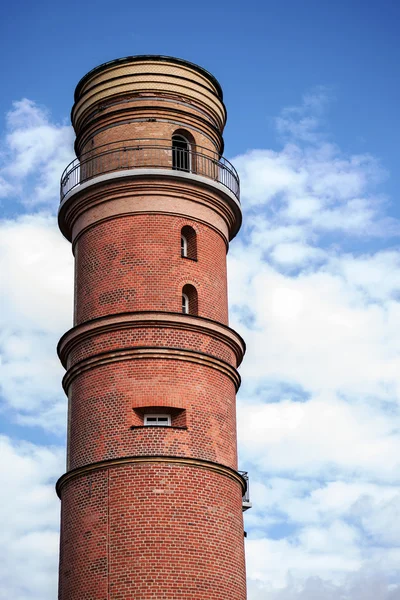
(329, 554)
(363, 586)
(37, 281)
(35, 268)
(325, 328)
(303, 123)
(29, 512)
(319, 412)
(320, 437)
(380, 517)
(296, 253)
(317, 186)
(35, 152)
(330, 544)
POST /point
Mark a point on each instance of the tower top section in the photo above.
(156, 58)
(150, 78)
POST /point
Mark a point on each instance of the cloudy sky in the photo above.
(314, 276)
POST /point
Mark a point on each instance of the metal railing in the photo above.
(148, 154)
(246, 504)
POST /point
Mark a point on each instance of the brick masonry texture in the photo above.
(149, 194)
(151, 336)
(103, 401)
(132, 97)
(152, 532)
(134, 263)
(150, 513)
(108, 134)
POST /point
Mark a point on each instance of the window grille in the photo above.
(181, 158)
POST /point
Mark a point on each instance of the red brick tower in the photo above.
(151, 498)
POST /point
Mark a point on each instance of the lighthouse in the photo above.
(152, 499)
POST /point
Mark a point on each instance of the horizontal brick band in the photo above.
(155, 76)
(157, 319)
(132, 191)
(191, 462)
(151, 353)
(121, 112)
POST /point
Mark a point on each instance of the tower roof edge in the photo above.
(147, 57)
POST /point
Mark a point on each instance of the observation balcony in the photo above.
(246, 504)
(148, 154)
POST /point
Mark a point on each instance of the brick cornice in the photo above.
(150, 319)
(176, 460)
(158, 76)
(158, 186)
(152, 353)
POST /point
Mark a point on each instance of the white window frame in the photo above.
(184, 246)
(157, 423)
(185, 304)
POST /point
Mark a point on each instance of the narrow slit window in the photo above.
(157, 420)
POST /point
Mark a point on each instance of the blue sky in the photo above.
(266, 55)
(312, 95)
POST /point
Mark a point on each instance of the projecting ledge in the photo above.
(172, 190)
(155, 173)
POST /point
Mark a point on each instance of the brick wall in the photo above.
(150, 512)
(134, 263)
(103, 402)
(152, 532)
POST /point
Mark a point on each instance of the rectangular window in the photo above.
(157, 420)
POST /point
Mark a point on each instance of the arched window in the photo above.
(188, 243)
(181, 158)
(189, 300)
